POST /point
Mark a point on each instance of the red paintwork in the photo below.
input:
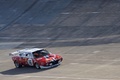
(42, 61)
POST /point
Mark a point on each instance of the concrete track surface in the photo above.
(85, 32)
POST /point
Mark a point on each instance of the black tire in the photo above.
(17, 65)
(37, 66)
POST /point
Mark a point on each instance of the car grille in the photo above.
(54, 62)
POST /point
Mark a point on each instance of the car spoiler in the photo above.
(13, 54)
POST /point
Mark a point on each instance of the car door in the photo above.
(30, 59)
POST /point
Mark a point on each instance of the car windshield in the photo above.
(40, 53)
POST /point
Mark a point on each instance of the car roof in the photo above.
(29, 50)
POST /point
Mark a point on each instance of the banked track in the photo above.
(71, 22)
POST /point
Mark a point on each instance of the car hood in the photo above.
(50, 57)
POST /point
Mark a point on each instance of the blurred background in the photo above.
(57, 23)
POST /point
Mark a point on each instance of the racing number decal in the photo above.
(30, 62)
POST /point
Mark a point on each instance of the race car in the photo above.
(38, 57)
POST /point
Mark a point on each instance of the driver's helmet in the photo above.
(35, 54)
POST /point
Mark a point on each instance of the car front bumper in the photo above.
(50, 66)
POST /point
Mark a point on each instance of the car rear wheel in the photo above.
(37, 66)
(17, 65)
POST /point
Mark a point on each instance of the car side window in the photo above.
(28, 55)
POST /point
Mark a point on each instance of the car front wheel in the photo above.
(37, 66)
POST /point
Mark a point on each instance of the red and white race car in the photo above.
(38, 57)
